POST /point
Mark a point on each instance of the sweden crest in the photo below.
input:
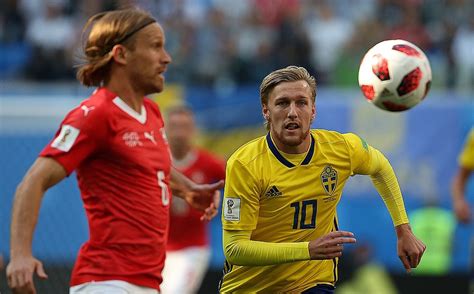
(329, 179)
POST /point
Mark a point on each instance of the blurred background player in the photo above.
(466, 167)
(188, 253)
(115, 142)
(361, 274)
(460, 204)
(436, 226)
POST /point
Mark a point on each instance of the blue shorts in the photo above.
(320, 289)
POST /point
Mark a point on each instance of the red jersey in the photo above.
(186, 228)
(123, 162)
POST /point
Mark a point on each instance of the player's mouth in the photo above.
(292, 126)
(161, 72)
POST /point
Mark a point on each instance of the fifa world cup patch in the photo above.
(66, 138)
(231, 209)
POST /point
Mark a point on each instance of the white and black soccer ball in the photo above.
(395, 75)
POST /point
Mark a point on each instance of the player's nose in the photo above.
(292, 113)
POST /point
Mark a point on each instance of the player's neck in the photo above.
(184, 160)
(180, 153)
(127, 93)
(292, 149)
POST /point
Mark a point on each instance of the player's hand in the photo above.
(409, 248)
(20, 272)
(330, 245)
(206, 197)
(462, 211)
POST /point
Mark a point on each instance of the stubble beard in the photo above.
(293, 140)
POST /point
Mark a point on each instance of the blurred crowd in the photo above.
(228, 42)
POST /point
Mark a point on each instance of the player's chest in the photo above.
(321, 182)
(140, 144)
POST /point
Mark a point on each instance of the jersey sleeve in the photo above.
(360, 154)
(466, 157)
(241, 198)
(367, 160)
(240, 250)
(80, 134)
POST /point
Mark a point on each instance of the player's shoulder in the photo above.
(249, 151)
(470, 136)
(208, 156)
(95, 107)
(333, 138)
(327, 136)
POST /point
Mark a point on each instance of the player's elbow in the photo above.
(231, 253)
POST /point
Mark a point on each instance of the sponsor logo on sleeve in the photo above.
(66, 138)
(231, 209)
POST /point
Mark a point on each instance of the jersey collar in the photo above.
(282, 159)
(141, 117)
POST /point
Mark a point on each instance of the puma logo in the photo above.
(87, 109)
(150, 136)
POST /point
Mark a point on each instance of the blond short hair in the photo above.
(288, 74)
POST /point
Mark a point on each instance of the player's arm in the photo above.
(43, 174)
(369, 161)
(240, 250)
(458, 192)
(458, 187)
(205, 197)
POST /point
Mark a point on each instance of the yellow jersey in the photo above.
(466, 158)
(288, 198)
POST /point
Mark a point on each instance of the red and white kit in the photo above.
(123, 166)
(188, 246)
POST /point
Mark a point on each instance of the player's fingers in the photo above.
(341, 240)
(334, 249)
(215, 186)
(209, 213)
(337, 234)
(217, 199)
(405, 263)
(413, 260)
(40, 271)
(333, 255)
(27, 279)
(12, 281)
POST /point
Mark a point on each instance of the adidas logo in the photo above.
(273, 192)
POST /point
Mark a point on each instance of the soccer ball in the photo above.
(395, 75)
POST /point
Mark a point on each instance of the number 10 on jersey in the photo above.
(301, 219)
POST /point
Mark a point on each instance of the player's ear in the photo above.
(119, 54)
(265, 112)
